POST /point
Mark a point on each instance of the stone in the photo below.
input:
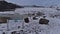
(26, 20)
(43, 21)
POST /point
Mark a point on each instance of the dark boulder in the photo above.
(43, 21)
(3, 32)
(34, 18)
(26, 20)
(18, 27)
(13, 32)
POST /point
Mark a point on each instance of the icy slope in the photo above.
(33, 10)
(33, 27)
(52, 28)
(54, 23)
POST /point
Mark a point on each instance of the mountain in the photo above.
(5, 6)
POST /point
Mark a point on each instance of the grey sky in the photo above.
(35, 2)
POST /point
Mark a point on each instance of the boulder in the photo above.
(13, 32)
(26, 20)
(34, 18)
(43, 21)
(3, 32)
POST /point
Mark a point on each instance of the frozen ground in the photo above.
(33, 27)
(54, 23)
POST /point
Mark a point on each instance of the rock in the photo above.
(43, 21)
(3, 32)
(34, 18)
(26, 20)
(13, 32)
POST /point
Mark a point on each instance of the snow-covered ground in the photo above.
(33, 27)
(54, 23)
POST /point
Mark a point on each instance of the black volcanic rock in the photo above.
(43, 21)
(5, 6)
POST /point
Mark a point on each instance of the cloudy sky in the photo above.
(35, 2)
